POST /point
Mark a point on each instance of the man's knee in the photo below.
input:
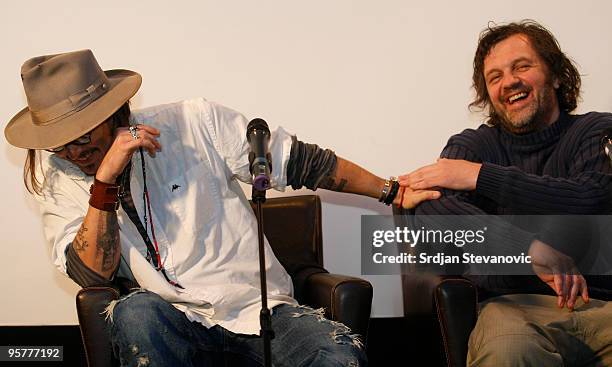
(146, 329)
(322, 342)
(138, 311)
(514, 350)
(344, 348)
(339, 350)
(506, 336)
(502, 315)
(350, 356)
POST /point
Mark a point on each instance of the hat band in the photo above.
(72, 104)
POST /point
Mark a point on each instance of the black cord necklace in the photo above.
(153, 255)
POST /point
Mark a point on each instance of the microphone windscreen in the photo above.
(257, 124)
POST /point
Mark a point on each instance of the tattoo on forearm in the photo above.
(80, 243)
(341, 185)
(329, 183)
(108, 242)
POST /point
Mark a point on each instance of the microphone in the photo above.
(260, 161)
(606, 142)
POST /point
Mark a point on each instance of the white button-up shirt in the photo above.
(205, 228)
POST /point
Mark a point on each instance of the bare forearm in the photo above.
(97, 242)
(351, 178)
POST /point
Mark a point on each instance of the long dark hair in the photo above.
(547, 47)
(34, 186)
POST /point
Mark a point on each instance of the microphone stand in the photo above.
(265, 320)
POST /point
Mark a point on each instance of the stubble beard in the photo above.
(532, 117)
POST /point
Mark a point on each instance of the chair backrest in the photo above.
(292, 226)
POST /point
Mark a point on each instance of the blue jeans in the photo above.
(148, 331)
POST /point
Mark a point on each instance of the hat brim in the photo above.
(22, 132)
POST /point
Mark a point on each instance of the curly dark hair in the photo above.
(547, 47)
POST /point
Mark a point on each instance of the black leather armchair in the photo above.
(293, 228)
(440, 311)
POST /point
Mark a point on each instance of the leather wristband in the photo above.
(104, 196)
(392, 192)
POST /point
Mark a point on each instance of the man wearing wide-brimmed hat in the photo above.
(176, 222)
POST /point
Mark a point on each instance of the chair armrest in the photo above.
(345, 299)
(95, 331)
(457, 308)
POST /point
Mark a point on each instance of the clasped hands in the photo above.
(554, 268)
(422, 184)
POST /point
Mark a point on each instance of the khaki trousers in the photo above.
(530, 330)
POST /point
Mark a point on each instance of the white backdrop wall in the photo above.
(383, 83)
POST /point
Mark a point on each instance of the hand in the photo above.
(124, 145)
(409, 198)
(559, 272)
(455, 174)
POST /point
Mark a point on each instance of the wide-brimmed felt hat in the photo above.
(68, 95)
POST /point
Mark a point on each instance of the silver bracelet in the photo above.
(386, 188)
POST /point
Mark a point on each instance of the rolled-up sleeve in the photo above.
(80, 273)
(62, 214)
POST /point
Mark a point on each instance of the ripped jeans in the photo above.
(148, 331)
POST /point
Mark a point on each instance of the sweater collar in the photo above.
(537, 140)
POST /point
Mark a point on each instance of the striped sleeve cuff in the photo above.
(491, 181)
